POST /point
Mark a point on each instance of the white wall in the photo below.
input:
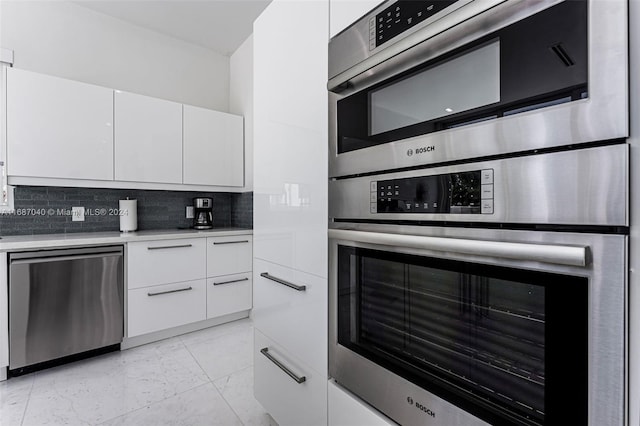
(70, 41)
(241, 100)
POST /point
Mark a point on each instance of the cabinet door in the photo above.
(346, 12)
(165, 261)
(58, 128)
(229, 255)
(160, 307)
(290, 307)
(213, 147)
(289, 403)
(291, 135)
(228, 294)
(148, 139)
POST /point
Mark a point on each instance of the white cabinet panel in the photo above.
(164, 306)
(213, 147)
(343, 13)
(291, 135)
(288, 402)
(297, 320)
(148, 139)
(58, 128)
(165, 261)
(228, 294)
(345, 409)
(229, 255)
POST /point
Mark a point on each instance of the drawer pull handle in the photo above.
(170, 291)
(265, 352)
(283, 282)
(232, 281)
(170, 247)
(230, 242)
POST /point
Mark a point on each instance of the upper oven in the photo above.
(418, 83)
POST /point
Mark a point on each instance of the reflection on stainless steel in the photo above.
(64, 302)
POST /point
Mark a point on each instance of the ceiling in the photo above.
(218, 25)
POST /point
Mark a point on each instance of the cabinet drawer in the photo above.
(229, 255)
(227, 294)
(164, 306)
(295, 319)
(287, 401)
(167, 261)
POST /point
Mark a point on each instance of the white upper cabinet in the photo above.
(213, 152)
(148, 139)
(58, 128)
(291, 135)
(343, 13)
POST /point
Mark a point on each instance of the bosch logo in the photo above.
(421, 407)
(420, 150)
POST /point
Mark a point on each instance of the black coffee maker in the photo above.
(202, 213)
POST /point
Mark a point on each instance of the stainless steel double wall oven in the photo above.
(478, 204)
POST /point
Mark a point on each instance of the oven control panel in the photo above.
(401, 16)
(452, 193)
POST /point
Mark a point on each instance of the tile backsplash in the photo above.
(46, 210)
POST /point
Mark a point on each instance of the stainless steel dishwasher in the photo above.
(64, 302)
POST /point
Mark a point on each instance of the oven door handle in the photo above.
(547, 253)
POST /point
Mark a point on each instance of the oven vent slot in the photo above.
(560, 51)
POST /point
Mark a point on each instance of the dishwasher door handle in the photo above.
(63, 258)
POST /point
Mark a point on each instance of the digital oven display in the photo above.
(453, 193)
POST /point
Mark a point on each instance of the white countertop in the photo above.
(27, 242)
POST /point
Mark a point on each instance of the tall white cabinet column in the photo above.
(290, 211)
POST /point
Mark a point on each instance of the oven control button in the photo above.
(487, 192)
(374, 208)
(374, 197)
(486, 176)
(373, 186)
(487, 206)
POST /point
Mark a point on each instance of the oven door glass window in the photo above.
(534, 63)
(507, 345)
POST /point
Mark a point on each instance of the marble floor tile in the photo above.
(224, 354)
(200, 406)
(170, 382)
(97, 389)
(201, 336)
(237, 390)
(14, 395)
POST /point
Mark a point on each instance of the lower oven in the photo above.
(465, 317)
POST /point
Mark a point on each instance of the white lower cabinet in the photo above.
(183, 281)
(291, 308)
(166, 261)
(227, 294)
(160, 307)
(346, 409)
(293, 393)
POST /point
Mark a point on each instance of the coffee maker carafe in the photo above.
(202, 213)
